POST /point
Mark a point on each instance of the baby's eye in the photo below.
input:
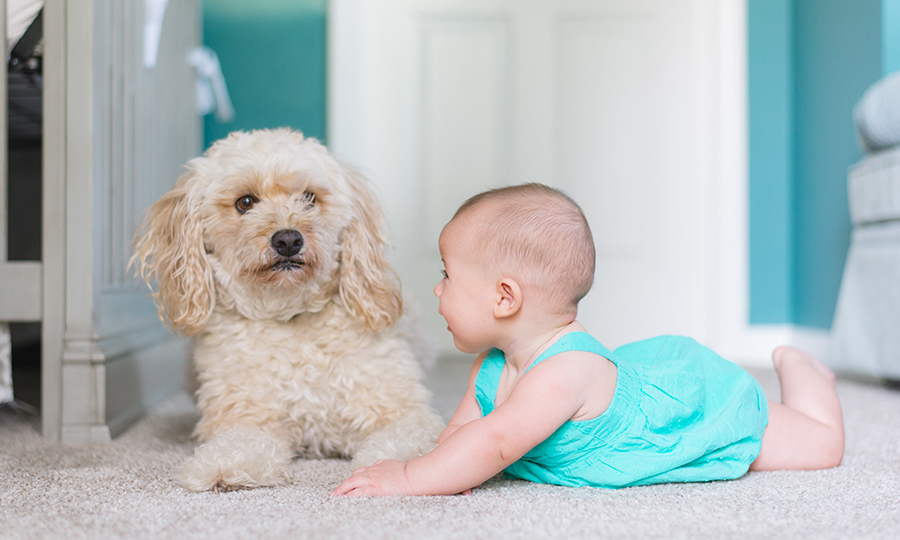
(443, 273)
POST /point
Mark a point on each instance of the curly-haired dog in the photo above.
(271, 253)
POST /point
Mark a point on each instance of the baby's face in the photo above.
(466, 292)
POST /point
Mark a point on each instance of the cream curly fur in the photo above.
(300, 354)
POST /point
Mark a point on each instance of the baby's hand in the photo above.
(384, 477)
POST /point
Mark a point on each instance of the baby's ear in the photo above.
(508, 298)
(169, 251)
(369, 286)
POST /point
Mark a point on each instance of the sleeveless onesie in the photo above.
(680, 413)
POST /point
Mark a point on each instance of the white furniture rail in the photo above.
(115, 134)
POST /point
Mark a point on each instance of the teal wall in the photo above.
(273, 57)
(809, 63)
(837, 56)
(890, 36)
(770, 193)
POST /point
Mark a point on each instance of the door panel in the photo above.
(461, 126)
(602, 99)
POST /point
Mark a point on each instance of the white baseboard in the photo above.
(752, 346)
(85, 433)
(815, 341)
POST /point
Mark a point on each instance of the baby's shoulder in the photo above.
(578, 365)
(579, 341)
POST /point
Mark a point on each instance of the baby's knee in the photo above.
(831, 450)
(837, 452)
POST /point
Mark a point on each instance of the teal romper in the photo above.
(680, 413)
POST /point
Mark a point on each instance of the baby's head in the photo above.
(536, 235)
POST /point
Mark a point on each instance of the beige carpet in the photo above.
(123, 490)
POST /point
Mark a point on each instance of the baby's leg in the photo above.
(806, 430)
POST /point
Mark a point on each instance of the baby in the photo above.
(547, 402)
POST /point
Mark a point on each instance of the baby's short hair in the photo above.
(536, 234)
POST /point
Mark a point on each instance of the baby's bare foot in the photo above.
(786, 353)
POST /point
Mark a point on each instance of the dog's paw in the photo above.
(238, 458)
(403, 439)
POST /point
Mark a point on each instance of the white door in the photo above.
(609, 100)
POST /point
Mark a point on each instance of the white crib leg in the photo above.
(6, 387)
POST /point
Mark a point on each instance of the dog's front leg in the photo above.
(238, 457)
(402, 438)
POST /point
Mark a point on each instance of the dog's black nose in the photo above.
(287, 242)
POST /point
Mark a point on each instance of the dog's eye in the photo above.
(310, 199)
(245, 203)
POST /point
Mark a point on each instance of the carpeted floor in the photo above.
(123, 490)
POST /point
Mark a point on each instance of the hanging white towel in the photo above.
(212, 92)
(154, 14)
(19, 14)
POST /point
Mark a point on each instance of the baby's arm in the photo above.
(544, 399)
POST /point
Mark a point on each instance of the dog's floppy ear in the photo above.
(169, 250)
(369, 286)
